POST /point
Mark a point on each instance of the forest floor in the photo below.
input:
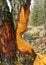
(36, 36)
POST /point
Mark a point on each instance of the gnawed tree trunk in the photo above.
(24, 51)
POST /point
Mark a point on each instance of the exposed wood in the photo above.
(22, 26)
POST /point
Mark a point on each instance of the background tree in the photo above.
(37, 14)
(45, 16)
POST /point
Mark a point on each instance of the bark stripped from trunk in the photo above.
(21, 27)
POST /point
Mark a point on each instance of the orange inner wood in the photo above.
(21, 28)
